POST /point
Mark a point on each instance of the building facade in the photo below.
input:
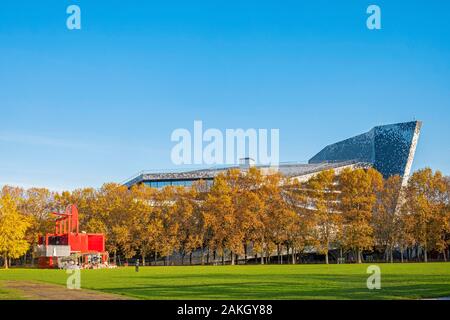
(390, 149)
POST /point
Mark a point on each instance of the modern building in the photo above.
(388, 148)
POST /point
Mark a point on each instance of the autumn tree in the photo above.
(387, 221)
(148, 227)
(198, 193)
(404, 232)
(219, 215)
(90, 213)
(17, 194)
(187, 215)
(113, 212)
(37, 205)
(323, 196)
(249, 229)
(299, 220)
(359, 189)
(426, 203)
(13, 228)
(280, 218)
(168, 242)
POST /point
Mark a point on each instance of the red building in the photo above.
(69, 245)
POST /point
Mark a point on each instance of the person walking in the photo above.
(137, 265)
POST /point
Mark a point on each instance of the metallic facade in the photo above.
(390, 149)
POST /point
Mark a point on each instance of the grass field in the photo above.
(399, 281)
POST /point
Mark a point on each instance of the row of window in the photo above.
(175, 183)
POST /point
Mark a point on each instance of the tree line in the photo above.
(245, 215)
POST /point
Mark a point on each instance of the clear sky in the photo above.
(80, 108)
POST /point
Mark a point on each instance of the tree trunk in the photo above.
(190, 259)
(425, 254)
(391, 254)
(287, 254)
(6, 261)
(262, 257)
(401, 254)
(327, 258)
(278, 254)
(232, 258)
(358, 253)
(115, 257)
(245, 253)
(203, 256)
(293, 255)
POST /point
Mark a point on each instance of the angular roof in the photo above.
(389, 148)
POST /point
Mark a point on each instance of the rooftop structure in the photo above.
(390, 149)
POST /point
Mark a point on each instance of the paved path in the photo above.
(44, 291)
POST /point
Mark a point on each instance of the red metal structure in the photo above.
(68, 244)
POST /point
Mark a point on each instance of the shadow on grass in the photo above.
(290, 287)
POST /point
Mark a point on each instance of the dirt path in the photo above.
(44, 291)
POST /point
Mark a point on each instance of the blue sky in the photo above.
(80, 108)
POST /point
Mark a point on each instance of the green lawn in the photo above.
(399, 281)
